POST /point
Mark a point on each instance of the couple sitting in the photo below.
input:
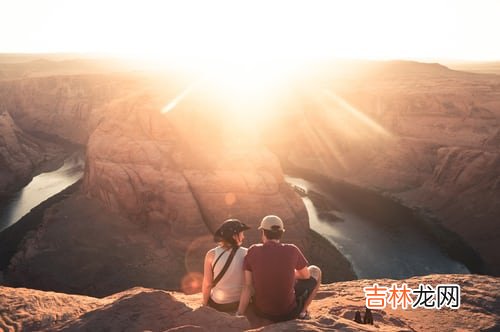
(275, 275)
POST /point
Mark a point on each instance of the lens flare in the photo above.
(191, 283)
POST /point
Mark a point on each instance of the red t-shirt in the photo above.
(273, 268)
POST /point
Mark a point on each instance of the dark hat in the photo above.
(228, 229)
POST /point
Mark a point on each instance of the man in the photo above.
(283, 284)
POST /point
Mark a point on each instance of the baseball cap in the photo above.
(228, 229)
(272, 223)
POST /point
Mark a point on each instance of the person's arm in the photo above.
(302, 273)
(246, 293)
(206, 286)
(301, 270)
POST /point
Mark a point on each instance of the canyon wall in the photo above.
(22, 155)
(427, 136)
(68, 107)
(156, 186)
(43, 118)
(155, 168)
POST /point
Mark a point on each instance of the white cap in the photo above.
(268, 222)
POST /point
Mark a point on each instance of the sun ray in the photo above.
(321, 145)
(344, 105)
(177, 99)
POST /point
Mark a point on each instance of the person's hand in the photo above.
(237, 314)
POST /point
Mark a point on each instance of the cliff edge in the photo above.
(141, 309)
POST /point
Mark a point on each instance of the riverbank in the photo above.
(381, 209)
(334, 266)
(12, 237)
(35, 153)
(14, 206)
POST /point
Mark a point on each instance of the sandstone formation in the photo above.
(141, 309)
(21, 154)
(156, 187)
(179, 176)
(81, 247)
(68, 107)
(41, 118)
(156, 170)
(422, 133)
(137, 309)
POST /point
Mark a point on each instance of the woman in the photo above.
(223, 268)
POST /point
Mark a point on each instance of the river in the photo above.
(393, 248)
(41, 187)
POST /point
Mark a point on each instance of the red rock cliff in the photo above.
(422, 133)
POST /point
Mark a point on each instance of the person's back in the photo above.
(273, 268)
(283, 284)
(223, 267)
(228, 289)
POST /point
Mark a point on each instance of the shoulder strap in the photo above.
(216, 260)
(226, 266)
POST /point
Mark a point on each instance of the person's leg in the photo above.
(316, 274)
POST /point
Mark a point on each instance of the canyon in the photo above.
(422, 134)
(159, 180)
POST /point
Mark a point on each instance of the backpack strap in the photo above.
(226, 266)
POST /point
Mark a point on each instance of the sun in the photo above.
(248, 92)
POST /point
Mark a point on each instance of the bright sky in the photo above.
(230, 29)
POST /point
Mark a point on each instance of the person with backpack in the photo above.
(223, 267)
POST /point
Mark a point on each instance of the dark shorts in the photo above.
(303, 288)
(225, 307)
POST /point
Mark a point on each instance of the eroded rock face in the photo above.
(157, 169)
(333, 309)
(427, 137)
(175, 179)
(40, 116)
(21, 154)
(67, 107)
(155, 195)
(83, 248)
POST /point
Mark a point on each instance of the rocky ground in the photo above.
(141, 309)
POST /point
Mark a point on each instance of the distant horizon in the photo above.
(426, 30)
(93, 55)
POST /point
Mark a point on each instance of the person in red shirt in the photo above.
(278, 273)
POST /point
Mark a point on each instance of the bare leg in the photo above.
(316, 274)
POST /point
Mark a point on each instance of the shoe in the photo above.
(357, 317)
(304, 315)
(368, 319)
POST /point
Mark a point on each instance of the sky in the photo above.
(230, 29)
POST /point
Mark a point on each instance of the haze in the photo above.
(242, 31)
